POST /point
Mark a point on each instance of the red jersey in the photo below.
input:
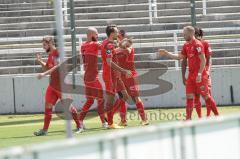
(53, 60)
(126, 60)
(208, 53)
(192, 50)
(108, 50)
(89, 52)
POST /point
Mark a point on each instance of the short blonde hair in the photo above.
(189, 29)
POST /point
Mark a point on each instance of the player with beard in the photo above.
(53, 93)
(112, 73)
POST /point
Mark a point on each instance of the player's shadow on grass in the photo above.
(19, 122)
(51, 133)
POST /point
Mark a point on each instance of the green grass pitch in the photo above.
(18, 129)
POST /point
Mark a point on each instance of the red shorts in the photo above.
(52, 95)
(93, 89)
(132, 86)
(202, 88)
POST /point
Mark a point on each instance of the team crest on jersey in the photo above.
(109, 52)
(199, 49)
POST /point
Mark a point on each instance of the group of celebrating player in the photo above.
(119, 76)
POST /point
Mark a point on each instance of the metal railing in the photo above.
(178, 140)
(153, 10)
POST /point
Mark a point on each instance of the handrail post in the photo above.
(175, 38)
(150, 12)
(204, 7)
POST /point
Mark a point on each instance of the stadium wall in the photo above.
(25, 94)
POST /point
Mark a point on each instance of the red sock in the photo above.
(123, 110)
(141, 112)
(100, 109)
(47, 118)
(208, 106)
(198, 106)
(189, 109)
(85, 109)
(73, 111)
(211, 104)
(116, 106)
(109, 109)
(208, 110)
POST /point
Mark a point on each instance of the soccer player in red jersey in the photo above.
(53, 93)
(111, 72)
(208, 54)
(93, 87)
(197, 82)
(125, 60)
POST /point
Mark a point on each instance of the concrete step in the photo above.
(20, 70)
(99, 7)
(226, 61)
(31, 60)
(107, 2)
(36, 12)
(20, 1)
(122, 21)
(217, 53)
(119, 8)
(95, 9)
(129, 28)
(218, 33)
(228, 50)
(139, 65)
(18, 62)
(25, 6)
(9, 51)
(126, 14)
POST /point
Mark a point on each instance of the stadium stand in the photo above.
(23, 23)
